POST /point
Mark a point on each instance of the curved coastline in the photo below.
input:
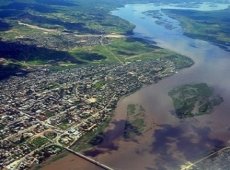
(149, 148)
(210, 64)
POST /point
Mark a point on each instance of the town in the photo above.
(47, 110)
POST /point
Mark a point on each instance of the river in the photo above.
(170, 142)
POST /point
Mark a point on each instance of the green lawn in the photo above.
(123, 49)
(38, 142)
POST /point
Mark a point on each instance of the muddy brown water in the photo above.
(168, 142)
(71, 162)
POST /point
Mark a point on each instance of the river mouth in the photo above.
(169, 142)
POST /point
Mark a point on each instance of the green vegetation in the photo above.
(38, 142)
(89, 56)
(124, 48)
(60, 154)
(131, 109)
(127, 50)
(2, 126)
(210, 26)
(135, 124)
(50, 135)
(64, 125)
(49, 114)
(37, 34)
(99, 84)
(193, 100)
(80, 16)
(92, 138)
(180, 61)
(118, 50)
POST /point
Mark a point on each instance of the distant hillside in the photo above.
(40, 32)
(210, 26)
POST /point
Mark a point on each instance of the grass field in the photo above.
(38, 142)
(123, 49)
(32, 35)
(118, 50)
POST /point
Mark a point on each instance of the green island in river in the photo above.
(194, 99)
(135, 124)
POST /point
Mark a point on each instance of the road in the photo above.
(48, 30)
(109, 51)
(59, 131)
(88, 159)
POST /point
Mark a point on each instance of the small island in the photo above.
(193, 100)
(135, 124)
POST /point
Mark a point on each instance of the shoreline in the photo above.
(132, 87)
(106, 125)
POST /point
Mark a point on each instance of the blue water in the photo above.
(209, 58)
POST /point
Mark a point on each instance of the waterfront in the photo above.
(169, 142)
(74, 161)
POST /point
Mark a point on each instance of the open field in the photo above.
(115, 50)
(66, 34)
(34, 33)
(124, 50)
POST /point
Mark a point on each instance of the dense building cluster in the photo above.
(48, 108)
(64, 41)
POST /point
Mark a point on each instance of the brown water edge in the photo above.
(168, 142)
(70, 162)
(199, 134)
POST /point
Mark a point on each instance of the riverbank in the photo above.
(209, 26)
(168, 142)
(96, 136)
